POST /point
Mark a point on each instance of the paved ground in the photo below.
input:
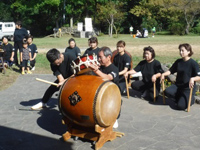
(146, 126)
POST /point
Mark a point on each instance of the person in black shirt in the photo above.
(34, 51)
(187, 73)
(94, 49)
(107, 70)
(72, 48)
(123, 62)
(9, 52)
(19, 34)
(60, 65)
(151, 71)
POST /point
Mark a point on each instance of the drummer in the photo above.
(60, 65)
(93, 49)
(107, 70)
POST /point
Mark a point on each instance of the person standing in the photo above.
(131, 30)
(153, 31)
(188, 73)
(72, 48)
(34, 51)
(123, 62)
(19, 34)
(60, 65)
(9, 52)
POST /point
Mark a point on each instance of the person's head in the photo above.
(148, 53)
(5, 40)
(121, 46)
(18, 24)
(30, 39)
(185, 50)
(93, 42)
(72, 43)
(54, 56)
(25, 43)
(104, 56)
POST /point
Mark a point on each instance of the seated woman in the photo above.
(151, 71)
(72, 48)
(138, 34)
(123, 62)
(187, 73)
(93, 47)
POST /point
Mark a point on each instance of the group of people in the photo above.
(27, 50)
(117, 69)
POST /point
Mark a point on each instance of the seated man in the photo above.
(107, 70)
(60, 65)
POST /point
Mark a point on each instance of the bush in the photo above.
(177, 29)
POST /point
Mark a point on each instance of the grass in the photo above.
(165, 46)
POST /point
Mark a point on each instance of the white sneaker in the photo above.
(38, 106)
(115, 124)
(33, 68)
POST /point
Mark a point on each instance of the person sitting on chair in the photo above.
(187, 73)
(123, 62)
(151, 71)
(93, 49)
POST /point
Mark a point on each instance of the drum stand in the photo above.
(98, 134)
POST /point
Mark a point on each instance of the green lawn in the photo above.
(165, 46)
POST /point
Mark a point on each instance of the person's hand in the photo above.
(126, 75)
(162, 77)
(94, 67)
(191, 83)
(153, 78)
(60, 83)
(11, 59)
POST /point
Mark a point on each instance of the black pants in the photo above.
(18, 45)
(141, 86)
(181, 95)
(49, 92)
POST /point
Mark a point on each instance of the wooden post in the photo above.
(189, 101)
(127, 89)
(163, 89)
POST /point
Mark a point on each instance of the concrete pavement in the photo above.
(147, 126)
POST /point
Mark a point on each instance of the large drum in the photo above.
(87, 100)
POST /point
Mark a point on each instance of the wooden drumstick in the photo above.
(189, 102)
(163, 89)
(127, 88)
(45, 81)
(154, 92)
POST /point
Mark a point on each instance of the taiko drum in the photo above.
(88, 100)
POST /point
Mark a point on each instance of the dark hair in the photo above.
(93, 40)
(70, 40)
(25, 41)
(19, 23)
(4, 37)
(30, 36)
(106, 51)
(150, 49)
(187, 47)
(120, 43)
(52, 55)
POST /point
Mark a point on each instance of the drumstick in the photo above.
(127, 88)
(154, 92)
(189, 102)
(163, 89)
(45, 81)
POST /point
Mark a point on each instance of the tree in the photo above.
(111, 13)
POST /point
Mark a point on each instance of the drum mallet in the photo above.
(45, 81)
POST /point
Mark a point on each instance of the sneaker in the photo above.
(33, 68)
(38, 106)
(23, 72)
(115, 124)
(29, 72)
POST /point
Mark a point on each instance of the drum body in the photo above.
(88, 100)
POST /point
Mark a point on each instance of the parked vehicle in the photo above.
(7, 29)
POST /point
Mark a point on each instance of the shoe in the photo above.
(33, 68)
(29, 72)
(23, 72)
(38, 106)
(115, 124)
